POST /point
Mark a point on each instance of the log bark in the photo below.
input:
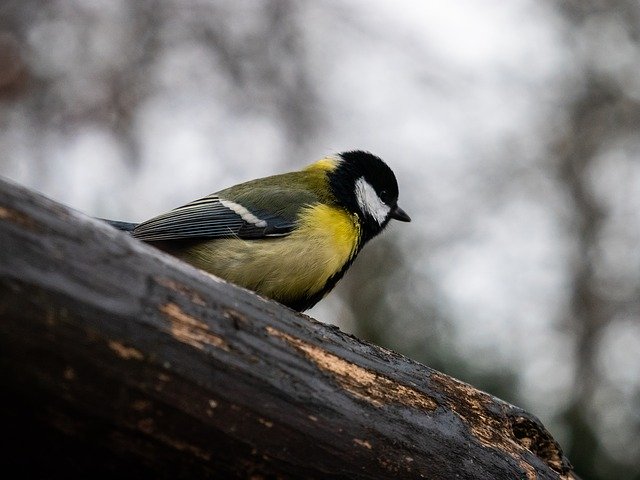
(116, 359)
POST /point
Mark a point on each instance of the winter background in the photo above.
(513, 128)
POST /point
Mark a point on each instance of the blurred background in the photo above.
(513, 128)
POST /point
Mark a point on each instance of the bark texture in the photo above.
(116, 359)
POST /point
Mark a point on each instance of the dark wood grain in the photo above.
(116, 359)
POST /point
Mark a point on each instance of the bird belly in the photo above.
(288, 269)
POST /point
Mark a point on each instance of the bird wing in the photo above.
(218, 216)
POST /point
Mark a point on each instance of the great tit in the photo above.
(289, 237)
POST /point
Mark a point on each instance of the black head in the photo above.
(364, 184)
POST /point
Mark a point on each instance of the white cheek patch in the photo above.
(245, 214)
(370, 202)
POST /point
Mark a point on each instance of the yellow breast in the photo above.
(284, 268)
(332, 234)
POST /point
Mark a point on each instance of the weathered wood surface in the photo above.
(116, 359)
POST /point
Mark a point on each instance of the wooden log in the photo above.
(116, 359)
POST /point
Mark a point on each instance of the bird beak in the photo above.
(400, 214)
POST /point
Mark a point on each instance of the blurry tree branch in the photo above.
(596, 118)
(118, 356)
(600, 114)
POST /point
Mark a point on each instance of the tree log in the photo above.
(117, 359)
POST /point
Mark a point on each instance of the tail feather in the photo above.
(124, 226)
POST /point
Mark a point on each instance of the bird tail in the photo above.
(124, 226)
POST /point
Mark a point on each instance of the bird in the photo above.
(289, 237)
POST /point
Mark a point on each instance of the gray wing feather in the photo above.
(208, 217)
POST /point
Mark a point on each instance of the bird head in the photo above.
(365, 185)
